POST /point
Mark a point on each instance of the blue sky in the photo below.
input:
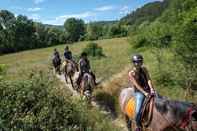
(57, 11)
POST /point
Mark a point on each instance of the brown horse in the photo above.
(87, 85)
(168, 115)
(70, 67)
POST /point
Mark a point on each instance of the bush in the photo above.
(39, 104)
(94, 50)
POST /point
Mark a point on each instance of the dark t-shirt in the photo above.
(84, 65)
(68, 55)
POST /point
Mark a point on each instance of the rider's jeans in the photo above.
(139, 101)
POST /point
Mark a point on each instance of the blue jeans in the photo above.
(139, 101)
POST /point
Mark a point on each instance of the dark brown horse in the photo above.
(56, 64)
(70, 67)
(168, 115)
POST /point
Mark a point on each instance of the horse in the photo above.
(87, 85)
(56, 64)
(167, 115)
(70, 67)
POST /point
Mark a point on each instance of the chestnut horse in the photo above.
(168, 115)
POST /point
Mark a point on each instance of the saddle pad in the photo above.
(130, 108)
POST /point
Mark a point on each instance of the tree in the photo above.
(7, 20)
(94, 31)
(117, 30)
(186, 51)
(24, 33)
(75, 28)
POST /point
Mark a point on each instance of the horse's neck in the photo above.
(171, 109)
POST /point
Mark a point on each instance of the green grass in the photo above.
(115, 50)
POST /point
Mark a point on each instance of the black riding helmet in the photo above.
(137, 58)
(66, 48)
(83, 54)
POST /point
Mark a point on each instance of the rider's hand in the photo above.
(146, 94)
(152, 92)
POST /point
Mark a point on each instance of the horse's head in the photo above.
(177, 114)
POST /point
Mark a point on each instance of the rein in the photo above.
(148, 104)
(186, 119)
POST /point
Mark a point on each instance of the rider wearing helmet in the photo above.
(140, 80)
(84, 67)
(67, 54)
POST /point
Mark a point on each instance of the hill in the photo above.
(148, 12)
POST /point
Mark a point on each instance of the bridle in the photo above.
(185, 121)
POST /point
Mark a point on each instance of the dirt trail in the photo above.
(116, 121)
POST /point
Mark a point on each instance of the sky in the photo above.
(55, 12)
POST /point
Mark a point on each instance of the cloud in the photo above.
(33, 9)
(80, 15)
(61, 19)
(35, 17)
(105, 8)
(38, 1)
(16, 8)
(124, 10)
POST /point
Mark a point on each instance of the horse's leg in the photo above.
(71, 81)
(82, 88)
(129, 123)
(65, 75)
(59, 72)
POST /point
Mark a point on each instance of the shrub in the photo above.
(94, 50)
(39, 104)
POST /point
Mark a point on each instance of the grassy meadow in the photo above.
(115, 50)
(117, 56)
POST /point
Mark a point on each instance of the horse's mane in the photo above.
(164, 105)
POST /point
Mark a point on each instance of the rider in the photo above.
(140, 80)
(56, 54)
(84, 67)
(67, 54)
(56, 60)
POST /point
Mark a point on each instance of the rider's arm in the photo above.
(135, 83)
(149, 80)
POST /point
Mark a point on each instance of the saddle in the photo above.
(147, 111)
